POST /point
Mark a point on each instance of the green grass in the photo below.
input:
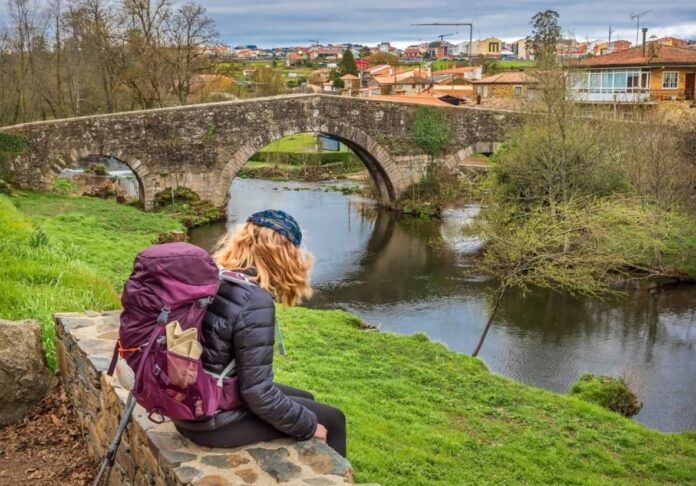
(300, 142)
(417, 413)
(106, 235)
(514, 64)
(420, 414)
(67, 254)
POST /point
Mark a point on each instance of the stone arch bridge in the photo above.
(203, 146)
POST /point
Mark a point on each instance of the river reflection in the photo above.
(407, 275)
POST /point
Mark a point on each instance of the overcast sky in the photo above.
(270, 23)
(283, 22)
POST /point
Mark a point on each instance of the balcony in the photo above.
(633, 96)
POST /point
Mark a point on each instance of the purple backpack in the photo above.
(171, 282)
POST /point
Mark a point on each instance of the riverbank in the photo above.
(417, 413)
(299, 158)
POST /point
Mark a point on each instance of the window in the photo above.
(518, 91)
(670, 80)
(633, 80)
(493, 47)
(607, 81)
(595, 82)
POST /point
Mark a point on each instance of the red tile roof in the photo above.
(458, 70)
(663, 55)
(415, 99)
(508, 77)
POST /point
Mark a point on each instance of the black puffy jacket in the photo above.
(240, 325)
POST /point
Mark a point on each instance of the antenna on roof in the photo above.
(315, 42)
(471, 32)
(637, 17)
(609, 45)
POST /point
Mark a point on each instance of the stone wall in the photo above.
(156, 454)
(203, 146)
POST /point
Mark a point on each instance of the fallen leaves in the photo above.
(46, 447)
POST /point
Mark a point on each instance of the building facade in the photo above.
(649, 73)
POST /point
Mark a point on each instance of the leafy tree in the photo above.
(430, 131)
(552, 161)
(365, 52)
(546, 33)
(569, 203)
(268, 82)
(562, 250)
(335, 77)
(383, 58)
(347, 64)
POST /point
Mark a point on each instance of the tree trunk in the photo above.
(498, 297)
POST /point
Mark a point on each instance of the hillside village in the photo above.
(496, 74)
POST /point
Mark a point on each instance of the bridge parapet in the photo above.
(203, 146)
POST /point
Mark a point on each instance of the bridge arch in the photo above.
(70, 159)
(460, 157)
(377, 160)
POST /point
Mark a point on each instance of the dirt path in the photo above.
(46, 447)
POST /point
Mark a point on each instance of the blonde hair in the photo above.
(281, 267)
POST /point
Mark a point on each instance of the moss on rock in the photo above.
(608, 392)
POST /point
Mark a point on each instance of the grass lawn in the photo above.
(514, 64)
(300, 142)
(418, 414)
(106, 235)
(67, 254)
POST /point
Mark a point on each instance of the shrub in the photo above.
(172, 196)
(11, 144)
(5, 188)
(610, 393)
(430, 131)
(97, 169)
(63, 186)
(187, 207)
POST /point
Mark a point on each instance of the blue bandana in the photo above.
(278, 221)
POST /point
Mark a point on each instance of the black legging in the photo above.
(251, 428)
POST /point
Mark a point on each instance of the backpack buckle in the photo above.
(204, 302)
(163, 315)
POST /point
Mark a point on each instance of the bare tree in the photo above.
(190, 33)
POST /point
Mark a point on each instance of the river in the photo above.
(407, 275)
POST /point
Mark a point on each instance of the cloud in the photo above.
(294, 22)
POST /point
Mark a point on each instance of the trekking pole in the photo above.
(108, 462)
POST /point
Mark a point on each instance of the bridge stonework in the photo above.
(202, 147)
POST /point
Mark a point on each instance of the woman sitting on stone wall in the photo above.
(240, 326)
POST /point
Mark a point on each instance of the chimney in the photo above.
(645, 32)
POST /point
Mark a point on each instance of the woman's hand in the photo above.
(321, 432)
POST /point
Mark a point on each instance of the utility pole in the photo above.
(609, 46)
(471, 33)
(637, 17)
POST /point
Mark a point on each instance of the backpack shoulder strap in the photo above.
(243, 279)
